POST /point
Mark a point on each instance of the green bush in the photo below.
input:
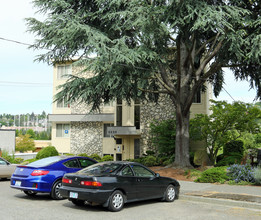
(233, 158)
(95, 157)
(213, 175)
(18, 160)
(107, 158)
(234, 147)
(83, 155)
(257, 175)
(149, 161)
(47, 152)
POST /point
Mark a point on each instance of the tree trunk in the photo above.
(182, 140)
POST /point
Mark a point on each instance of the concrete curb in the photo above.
(219, 201)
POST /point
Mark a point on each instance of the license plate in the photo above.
(73, 195)
(17, 183)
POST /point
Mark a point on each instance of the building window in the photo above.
(63, 71)
(63, 104)
(63, 130)
(197, 97)
(119, 113)
(137, 114)
(105, 130)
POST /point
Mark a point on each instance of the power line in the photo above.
(8, 83)
(228, 93)
(14, 41)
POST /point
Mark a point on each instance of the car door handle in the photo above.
(138, 180)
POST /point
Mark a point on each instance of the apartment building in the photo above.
(119, 130)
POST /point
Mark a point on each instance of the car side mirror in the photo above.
(157, 175)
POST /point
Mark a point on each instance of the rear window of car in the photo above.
(101, 168)
(44, 162)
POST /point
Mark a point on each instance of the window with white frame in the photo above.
(63, 130)
(63, 104)
(63, 71)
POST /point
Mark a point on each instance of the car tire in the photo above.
(78, 202)
(55, 194)
(30, 193)
(170, 194)
(116, 202)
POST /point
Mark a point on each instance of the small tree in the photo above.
(162, 136)
(31, 133)
(226, 123)
(24, 143)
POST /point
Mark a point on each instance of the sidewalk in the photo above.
(242, 196)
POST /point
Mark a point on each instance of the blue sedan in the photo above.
(45, 175)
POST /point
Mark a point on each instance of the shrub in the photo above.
(233, 158)
(47, 152)
(95, 157)
(24, 143)
(240, 173)
(107, 158)
(213, 175)
(18, 160)
(257, 175)
(234, 147)
(149, 161)
(83, 155)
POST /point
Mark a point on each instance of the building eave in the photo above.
(81, 117)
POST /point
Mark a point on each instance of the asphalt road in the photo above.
(14, 204)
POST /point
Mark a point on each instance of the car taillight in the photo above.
(66, 181)
(91, 183)
(39, 172)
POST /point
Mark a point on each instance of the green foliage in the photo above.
(257, 175)
(240, 173)
(31, 133)
(24, 143)
(225, 124)
(149, 161)
(18, 160)
(11, 158)
(107, 158)
(150, 152)
(234, 147)
(47, 152)
(95, 157)
(83, 155)
(232, 158)
(213, 175)
(162, 136)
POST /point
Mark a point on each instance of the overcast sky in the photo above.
(26, 86)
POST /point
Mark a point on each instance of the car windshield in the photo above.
(101, 168)
(44, 162)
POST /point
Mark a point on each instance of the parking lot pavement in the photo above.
(242, 196)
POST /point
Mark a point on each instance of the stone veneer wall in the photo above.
(149, 112)
(86, 137)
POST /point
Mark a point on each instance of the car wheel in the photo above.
(78, 202)
(55, 194)
(170, 194)
(30, 193)
(116, 201)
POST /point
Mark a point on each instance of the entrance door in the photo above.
(118, 157)
(136, 148)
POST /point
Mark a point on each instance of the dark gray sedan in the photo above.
(6, 168)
